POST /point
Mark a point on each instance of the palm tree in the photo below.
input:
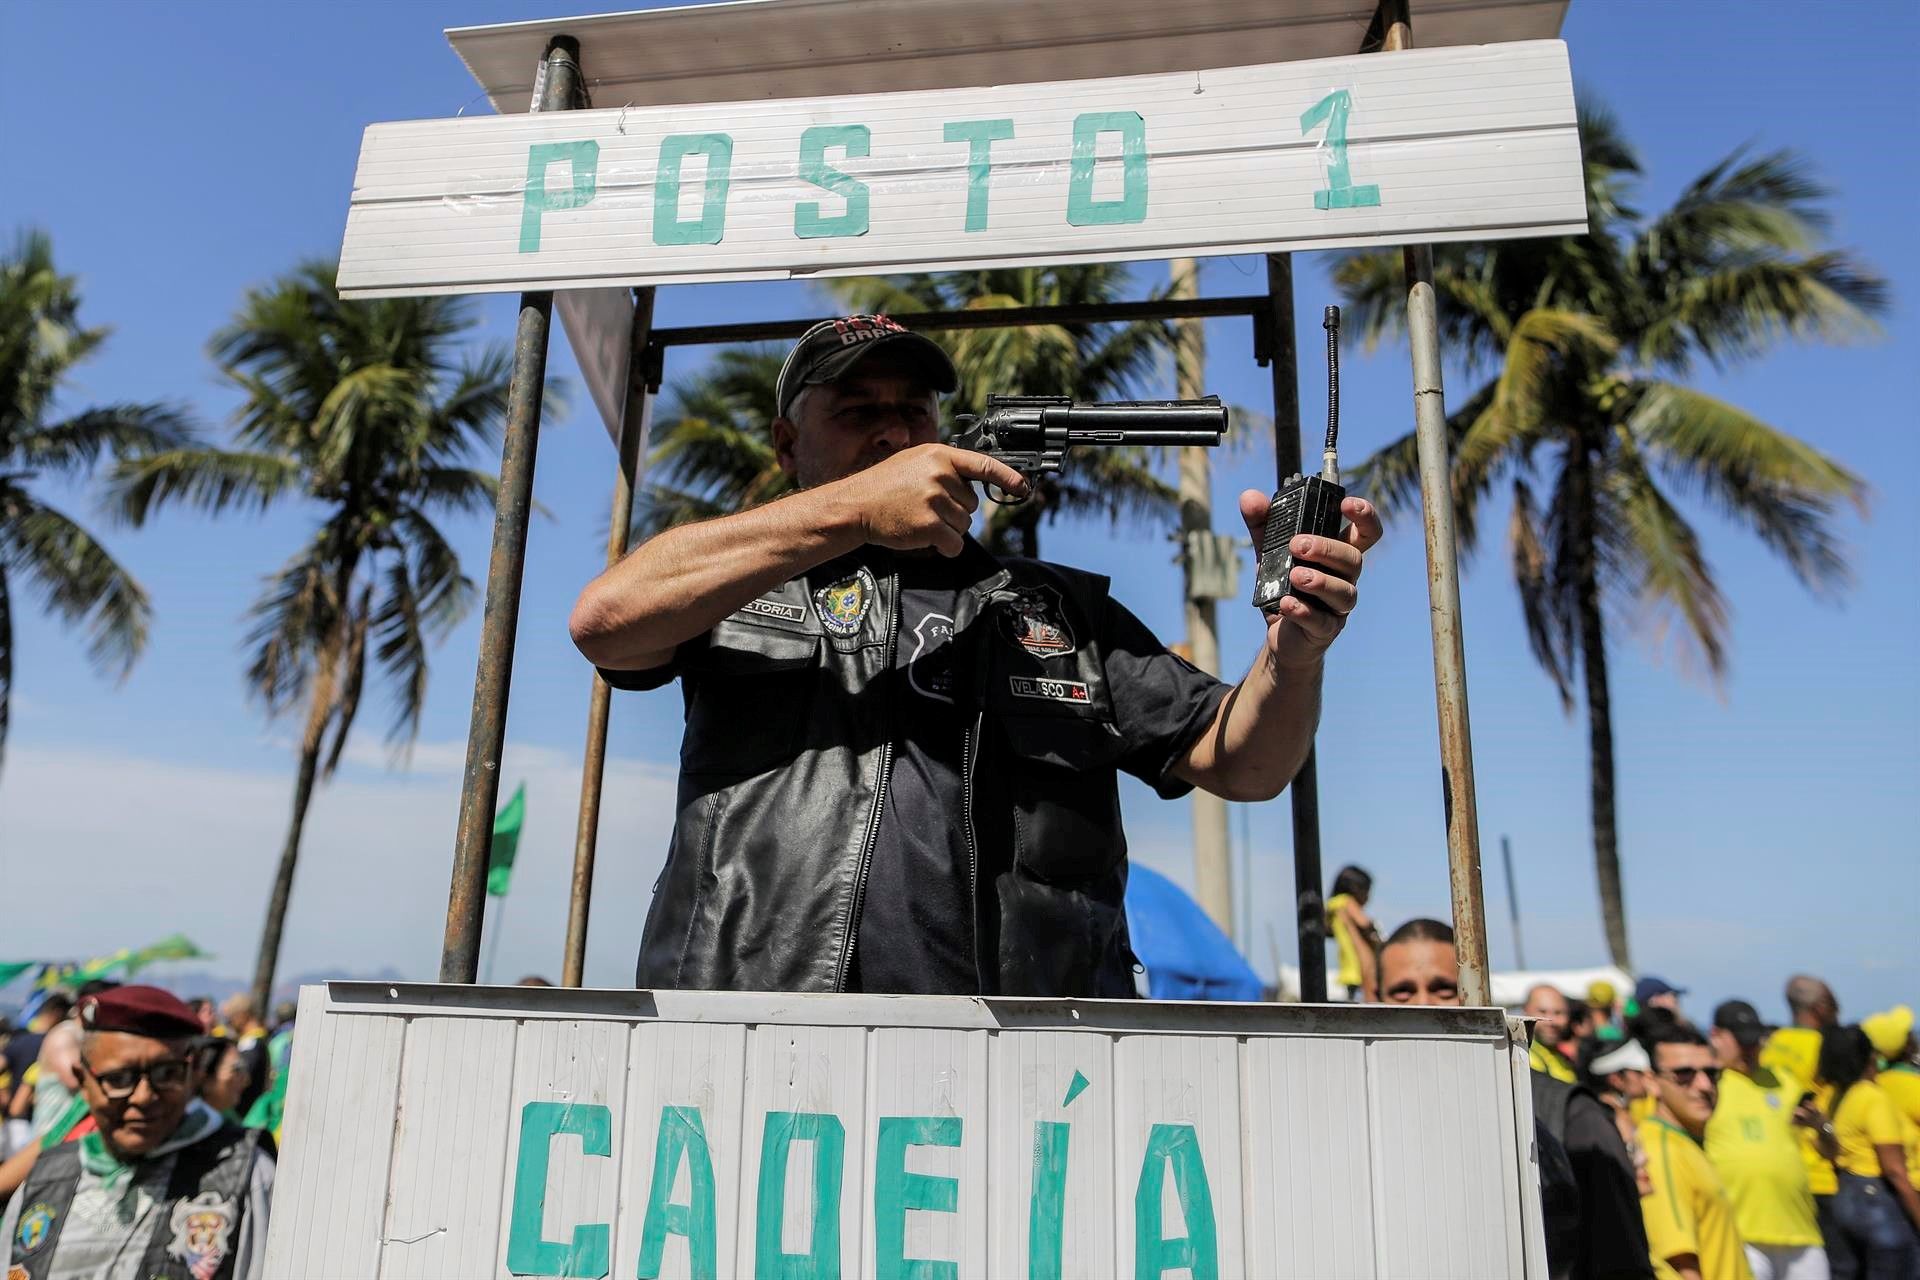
(715, 456)
(75, 577)
(358, 408)
(1588, 341)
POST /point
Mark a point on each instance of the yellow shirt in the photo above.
(1548, 1063)
(1642, 1107)
(1902, 1086)
(1348, 946)
(1795, 1051)
(1687, 1211)
(1866, 1119)
(1752, 1145)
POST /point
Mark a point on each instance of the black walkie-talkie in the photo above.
(1304, 504)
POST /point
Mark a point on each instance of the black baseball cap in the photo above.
(1741, 1021)
(827, 351)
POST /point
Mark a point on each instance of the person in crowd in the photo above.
(1753, 1147)
(1689, 1216)
(1657, 993)
(1795, 1050)
(1354, 936)
(1547, 1005)
(205, 1010)
(918, 743)
(1622, 1078)
(242, 1020)
(1875, 1232)
(164, 1186)
(1418, 965)
(1602, 1006)
(226, 1077)
(23, 1049)
(1891, 1034)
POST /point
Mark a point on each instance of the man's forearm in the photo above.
(678, 584)
(1261, 734)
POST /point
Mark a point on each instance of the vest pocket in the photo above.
(750, 700)
(1066, 805)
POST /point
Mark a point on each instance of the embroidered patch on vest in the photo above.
(1035, 619)
(775, 609)
(202, 1227)
(36, 1224)
(1049, 690)
(843, 606)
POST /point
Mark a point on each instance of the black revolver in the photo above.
(1032, 434)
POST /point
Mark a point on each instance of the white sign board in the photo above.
(474, 1132)
(1429, 145)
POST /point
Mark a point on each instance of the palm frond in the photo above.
(6, 660)
(78, 579)
(210, 479)
(73, 447)
(1542, 604)
(456, 489)
(353, 665)
(1667, 572)
(293, 621)
(1740, 307)
(402, 651)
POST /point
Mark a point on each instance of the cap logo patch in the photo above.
(843, 605)
(1034, 619)
(857, 329)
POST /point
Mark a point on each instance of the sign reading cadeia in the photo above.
(450, 1131)
(1443, 144)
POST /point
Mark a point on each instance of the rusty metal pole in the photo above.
(635, 419)
(1304, 791)
(486, 733)
(1443, 597)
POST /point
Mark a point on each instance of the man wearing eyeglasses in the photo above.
(165, 1186)
(1689, 1217)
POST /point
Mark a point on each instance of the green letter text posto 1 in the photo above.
(829, 1139)
(1082, 209)
(589, 1254)
(1198, 1252)
(538, 200)
(711, 225)
(979, 135)
(682, 1138)
(895, 1191)
(1340, 193)
(808, 223)
(1047, 1208)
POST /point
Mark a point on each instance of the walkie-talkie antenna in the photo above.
(1330, 458)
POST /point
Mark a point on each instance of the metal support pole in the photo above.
(1443, 598)
(635, 418)
(1513, 904)
(1304, 792)
(486, 733)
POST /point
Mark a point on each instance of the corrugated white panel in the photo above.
(918, 1075)
(1310, 1201)
(450, 1149)
(808, 48)
(704, 1068)
(1461, 143)
(339, 1132)
(1048, 1077)
(1178, 1093)
(812, 1071)
(599, 325)
(1444, 1207)
(1516, 1094)
(575, 1064)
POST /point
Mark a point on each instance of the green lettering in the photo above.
(537, 200)
(808, 223)
(711, 225)
(589, 1254)
(1198, 1252)
(895, 1191)
(979, 135)
(1340, 192)
(829, 1138)
(1082, 209)
(682, 1137)
(1047, 1210)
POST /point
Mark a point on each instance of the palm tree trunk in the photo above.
(269, 960)
(1593, 664)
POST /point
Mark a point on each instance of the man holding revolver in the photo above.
(900, 765)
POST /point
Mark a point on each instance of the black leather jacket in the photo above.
(788, 748)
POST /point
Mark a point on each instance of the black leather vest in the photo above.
(786, 759)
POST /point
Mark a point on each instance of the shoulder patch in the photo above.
(36, 1224)
(1035, 619)
(202, 1229)
(842, 606)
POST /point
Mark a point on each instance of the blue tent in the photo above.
(1186, 955)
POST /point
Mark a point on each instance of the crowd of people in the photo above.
(1734, 1151)
(140, 1134)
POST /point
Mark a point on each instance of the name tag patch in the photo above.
(775, 609)
(1049, 690)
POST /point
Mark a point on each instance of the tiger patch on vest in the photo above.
(202, 1229)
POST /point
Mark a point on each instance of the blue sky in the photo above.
(192, 151)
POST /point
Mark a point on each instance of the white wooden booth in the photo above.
(441, 1131)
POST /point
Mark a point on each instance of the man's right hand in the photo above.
(923, 496)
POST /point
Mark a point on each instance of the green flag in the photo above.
(506, 842)
(11, 969)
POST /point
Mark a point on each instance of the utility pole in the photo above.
(1213, 866)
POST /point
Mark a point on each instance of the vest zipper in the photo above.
(969, 744)
(879, 795)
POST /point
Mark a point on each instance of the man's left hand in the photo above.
(1298, 633)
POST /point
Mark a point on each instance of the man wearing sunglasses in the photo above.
(164, 1187)
(1689, 1217)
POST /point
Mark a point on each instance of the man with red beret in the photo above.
(165, 1187)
